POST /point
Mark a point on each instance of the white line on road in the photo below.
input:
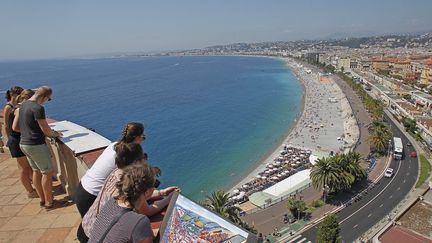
(355, 226)
(391, 196)
(398, 189)
(295, 238)
(304, 239)
(369, 215)
(381, 205)
(374, 197)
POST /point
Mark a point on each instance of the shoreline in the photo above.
(310, 100)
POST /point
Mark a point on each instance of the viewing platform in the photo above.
(21, 218)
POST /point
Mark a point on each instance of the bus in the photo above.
(398, 148)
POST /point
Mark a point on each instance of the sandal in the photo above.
(55, 204)
(33, 194)
(42, 204)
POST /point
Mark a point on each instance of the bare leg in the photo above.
(47, 188)
(25, 172)
(37, 182)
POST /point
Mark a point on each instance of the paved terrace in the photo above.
(23, 220)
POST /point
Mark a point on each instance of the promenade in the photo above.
(267, 219)
(23, 220)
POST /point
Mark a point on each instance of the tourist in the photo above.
(26, 172)
(11, 97)
(126, 154)
(34, 128)
(93, 180)
(118, 220)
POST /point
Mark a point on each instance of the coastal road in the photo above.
(379, 201)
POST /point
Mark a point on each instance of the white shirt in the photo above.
(95, 177)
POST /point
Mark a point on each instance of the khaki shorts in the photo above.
(39, 157)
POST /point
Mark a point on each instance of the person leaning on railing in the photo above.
(126, 154)
(119, 220)
(34, 128)
(93, 180)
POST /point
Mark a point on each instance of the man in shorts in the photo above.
(34, 128)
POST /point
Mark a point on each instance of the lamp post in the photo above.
(325, 189)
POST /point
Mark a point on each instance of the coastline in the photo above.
(314, 93)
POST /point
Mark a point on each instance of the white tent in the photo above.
(289, 184)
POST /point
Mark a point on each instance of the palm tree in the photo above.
(351, 164)
(325, 173)
(379, 138)
(218, 203)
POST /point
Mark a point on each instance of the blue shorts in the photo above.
(39, 157)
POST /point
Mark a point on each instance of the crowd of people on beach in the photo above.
(320, 127)
(115, 197)
(290, 161)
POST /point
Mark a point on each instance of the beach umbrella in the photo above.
(270, 166)
(245, 186)
(263, 177)
(298, 162)
(267, 171)
(235, 191)
(274, 178)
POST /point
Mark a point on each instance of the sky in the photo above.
(60, 28)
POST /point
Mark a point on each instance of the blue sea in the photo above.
(208, 120)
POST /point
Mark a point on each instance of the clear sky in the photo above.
(60, 28)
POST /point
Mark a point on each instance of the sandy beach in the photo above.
(326, 123)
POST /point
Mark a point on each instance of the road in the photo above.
(379, 201)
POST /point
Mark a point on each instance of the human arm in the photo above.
(43, 124)
(157, 194)
(6, 112)
(15, 123)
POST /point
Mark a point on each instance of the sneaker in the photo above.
(32, 194)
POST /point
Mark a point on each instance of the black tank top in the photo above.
(10, 121)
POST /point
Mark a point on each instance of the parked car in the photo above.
(388, 173)
(413, 154)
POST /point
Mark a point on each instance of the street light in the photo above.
(325, 189)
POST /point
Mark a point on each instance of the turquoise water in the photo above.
(208, 120)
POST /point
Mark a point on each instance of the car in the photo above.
(409, 144)
(413, 154)
(388, 173)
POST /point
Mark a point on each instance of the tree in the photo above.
(218, 203)
(296, 207)
(410, 125)
(379, 137)
(329, 230)
(325, 172)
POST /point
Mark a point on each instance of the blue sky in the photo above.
(44, 29)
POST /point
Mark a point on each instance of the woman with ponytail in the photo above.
(14, 141)
(11, 96)
(93, 180)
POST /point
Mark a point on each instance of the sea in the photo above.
(209, 120)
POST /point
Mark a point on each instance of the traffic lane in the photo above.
(355, 226)
(352, 207)
(368, 216)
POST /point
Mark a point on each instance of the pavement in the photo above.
(23, 220)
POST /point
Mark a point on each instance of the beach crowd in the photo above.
(115, 197)
(290, 161)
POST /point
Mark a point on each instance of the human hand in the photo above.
(169, 190)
